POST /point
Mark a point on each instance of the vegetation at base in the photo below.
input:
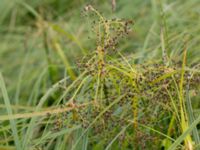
(125, 76)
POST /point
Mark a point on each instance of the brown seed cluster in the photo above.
(152, 82)
(108, 34)
(121, 94)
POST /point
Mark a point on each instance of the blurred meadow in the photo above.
(53, 95)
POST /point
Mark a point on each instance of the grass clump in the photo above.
(110, 100)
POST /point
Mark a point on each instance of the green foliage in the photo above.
(77, 78)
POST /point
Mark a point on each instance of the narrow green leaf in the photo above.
(9, 111)
(183, 136)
